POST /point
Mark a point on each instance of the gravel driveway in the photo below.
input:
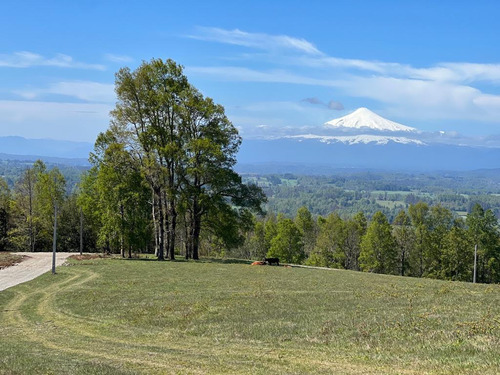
(35, 265)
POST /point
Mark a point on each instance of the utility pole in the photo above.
(81, 231)
(475, 264)
(54, 241)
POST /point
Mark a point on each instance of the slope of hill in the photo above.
(109, 316)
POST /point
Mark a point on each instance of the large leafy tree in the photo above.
(185, 148)
(355, 229)
(440, 222)
(287, 245)
(330, 250)
(378, 248)
(404, 237)
(483, 229)
(458, 254)
(419, 214)
(307, 227)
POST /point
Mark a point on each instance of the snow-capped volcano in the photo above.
(363, 118)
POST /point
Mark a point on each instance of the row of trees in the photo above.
(27, 211)
(426, 241)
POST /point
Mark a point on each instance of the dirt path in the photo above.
(35, 265)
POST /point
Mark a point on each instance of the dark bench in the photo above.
(272, 261)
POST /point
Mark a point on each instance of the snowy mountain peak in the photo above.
(364, 118)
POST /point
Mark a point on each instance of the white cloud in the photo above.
(25, 59)
(442, 91)
(118, 58)
(83, 90)
(255, 40)
(234, 73)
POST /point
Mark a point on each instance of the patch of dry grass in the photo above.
(9, 259)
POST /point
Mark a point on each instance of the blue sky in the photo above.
(271, 64)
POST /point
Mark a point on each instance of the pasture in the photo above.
(114, 316)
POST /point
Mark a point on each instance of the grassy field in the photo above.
(112, 316)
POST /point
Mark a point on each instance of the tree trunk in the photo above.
(155, 222)
(171, 230)
(122, 249)
(196, 236)
(161, 228)
(187, 243)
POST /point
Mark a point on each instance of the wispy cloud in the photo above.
(243, 74)
(25, 59)
(118, 58)
(255, 40)
(88, 91)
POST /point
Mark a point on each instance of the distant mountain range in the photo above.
(388, 156)
(364, 139)
(48, 150)
(361, 139)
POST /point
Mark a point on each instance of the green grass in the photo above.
(112, 316)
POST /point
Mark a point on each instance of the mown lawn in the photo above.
(112, 316)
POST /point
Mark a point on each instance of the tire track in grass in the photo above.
(60, 341)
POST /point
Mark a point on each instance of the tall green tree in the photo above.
(440, 223)
(419, 214)
(458, 254)
(307, 226)
(50, 191)
(483, 229)
(378, 248)
(287, 245)
(23, 234)
(404, 237)
(355, 229)
(329, 250)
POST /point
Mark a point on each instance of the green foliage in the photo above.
(378, 250)
(287, 244)
(404, 236)
(330, 245)
(483, 229)
(186, 149)
(307, 227)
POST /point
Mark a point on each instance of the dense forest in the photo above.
(349, 192)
